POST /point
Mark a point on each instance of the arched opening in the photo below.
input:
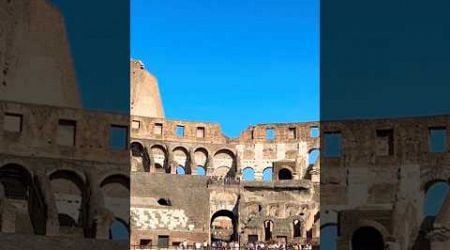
(328, 236)
(268, 229)
(180, 156)
(180, 170)
(141, 159)
(222, 171)
(367, 238)
(225, 158)
(165, 202)
(159, 156)
(313, 155)
(248, 174)
(435, 194)
(116, 193)
(200, 170)
(224, 226)
(284, 174)
(267, 174)
(200, 156)
(297, 228)
(119, 230)
(17, 186)
(69, 191)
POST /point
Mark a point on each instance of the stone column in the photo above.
(52, 223)
(99, 218)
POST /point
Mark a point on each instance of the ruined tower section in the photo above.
(35, 61)
(145, 97)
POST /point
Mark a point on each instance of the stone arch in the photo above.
(158, 153)
(116, 192)
(329, 235)
(370, 223)
(201, 155)
(119, 230)
(285, 174)
(267, 173)
(435, 193)
(139, 156)
(180, 170)
(367, 238)
(227, 234)
(70, 194)
(248, 174)
(225, 158)
(181, 157)
(200, 170)
(19, 189)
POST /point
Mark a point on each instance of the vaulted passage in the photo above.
(284, 174)
(367, 238)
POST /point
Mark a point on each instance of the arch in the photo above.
(225, 157)
(226, 234)
(116, 192)
(221, 171)
(180, 170)
(248, 174)
(158, 153)
(284, 174)
(181, 157)
(367, 238)
(313, 156)
(267, 174)
(328, 236)
(159, 168)
(201, 155)
(435, 194)
(65, 220)
(116, 178)
(17, 182)
(70, 193)
(119, 230)
(137, 149)
(200, 170)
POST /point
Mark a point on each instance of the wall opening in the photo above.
(385, 142)
(292, 133)
(119, 230)
(270, 134)
(157, 129)
(163, 241)
(437, 139)
(248, 174)
(267, 174)
(268, 229)
(135, 124)
(313, 155)
(314, 132)
(333, 144)
(223, 226)
(297, 228)
(200, 132)
(180, 170)
(367, 238)
(164, 202)
(66, 132)
(284, 174)
(118, 137)
(179, 130)
(435, 195)
(13, 122)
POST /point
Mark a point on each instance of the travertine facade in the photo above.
(189, 182)
(374, 185)
(64, 182)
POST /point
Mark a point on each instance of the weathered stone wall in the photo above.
(381, 182)
(35, 62)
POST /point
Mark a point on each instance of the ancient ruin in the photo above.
(190, 183)
(64, 171)
(376, 177)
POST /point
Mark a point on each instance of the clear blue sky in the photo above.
(234, 62)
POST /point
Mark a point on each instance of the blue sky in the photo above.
(234, 62)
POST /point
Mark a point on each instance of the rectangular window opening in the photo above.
(163, 241)
(180, 131)
(437, 137)
(200, 132)
(385, 142)
(333, 144)
(292, 133)
(66, 132)
(270, 134)
(157, 129)
(135, 124)
(145, 243)
(13, 122)
(118, 137)
(314, 132)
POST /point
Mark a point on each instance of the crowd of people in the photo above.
(234, 245)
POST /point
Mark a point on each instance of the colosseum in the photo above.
(377, 181)
(64, 170)
(190, 183)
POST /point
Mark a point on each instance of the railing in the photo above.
(223, 181)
